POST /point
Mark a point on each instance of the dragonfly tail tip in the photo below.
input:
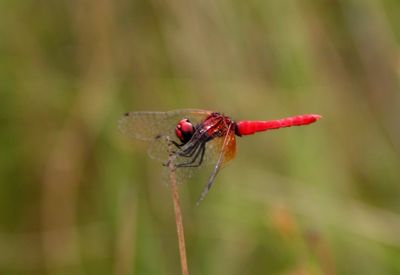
(317, 116)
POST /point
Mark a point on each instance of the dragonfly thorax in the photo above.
(184, 130)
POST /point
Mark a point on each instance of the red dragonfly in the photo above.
(199, 137)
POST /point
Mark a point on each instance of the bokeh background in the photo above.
(77, 197)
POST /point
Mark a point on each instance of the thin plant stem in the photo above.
(178, 214)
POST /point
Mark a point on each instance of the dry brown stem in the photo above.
(178, 214)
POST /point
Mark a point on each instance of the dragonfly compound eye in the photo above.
(184, 130)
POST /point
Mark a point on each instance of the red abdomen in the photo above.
(249, 127)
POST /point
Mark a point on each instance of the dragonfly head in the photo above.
(184, 130)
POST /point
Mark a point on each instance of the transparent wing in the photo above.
(157, 127)
(226, 152)
(215, 147)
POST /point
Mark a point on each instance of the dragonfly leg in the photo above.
(188, 152)
(197, 139)
(194, 158)
(200, 152)
(177, 144)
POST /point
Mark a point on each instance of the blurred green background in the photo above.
(77, 197)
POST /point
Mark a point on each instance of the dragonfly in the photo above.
(198, 138)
